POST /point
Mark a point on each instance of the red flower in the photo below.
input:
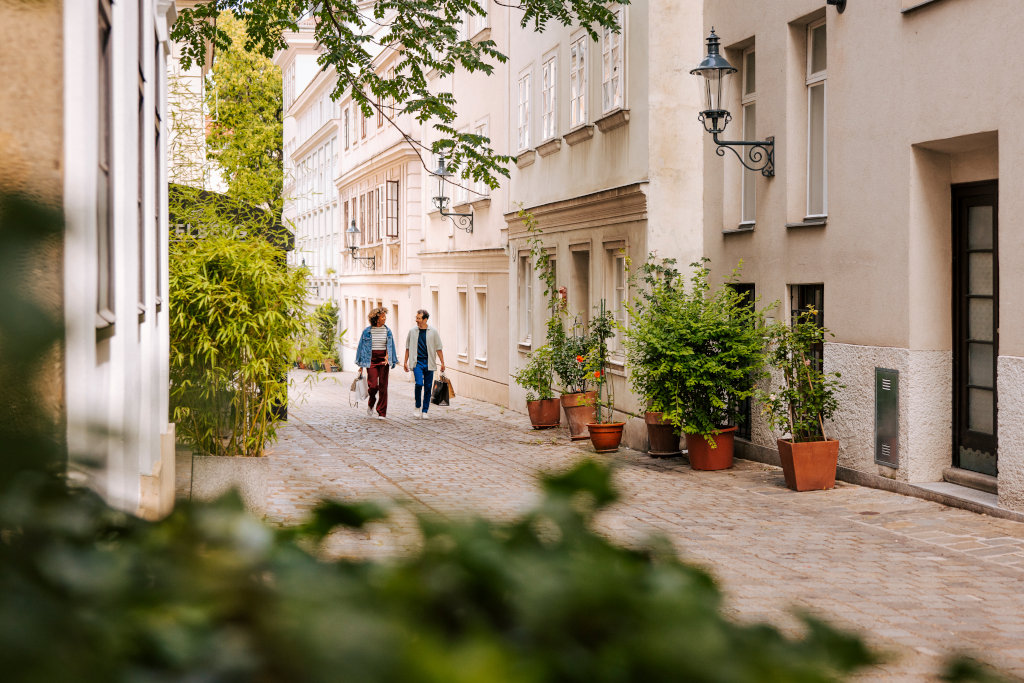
(597, 374)
(579, 359)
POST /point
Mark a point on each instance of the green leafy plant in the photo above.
(693, 353)
(327, 326)
(602, 328)
(535, 375)
(806, 397)
(236, 315)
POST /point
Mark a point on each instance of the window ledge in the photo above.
(613, 120)
(912, 8)
(581, 134)
(549, 147)
(481, 35)
(463, 357)
(461, 207)
(481, 362)
(525, 345)
(481, 203)
(810, 222)
(524, 159)
(741, 228)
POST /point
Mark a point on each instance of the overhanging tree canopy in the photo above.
(424, 34)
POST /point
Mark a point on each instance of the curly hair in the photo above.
(375, 315)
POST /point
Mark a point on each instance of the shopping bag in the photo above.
(359, 391)
(439, 394)
(451, 388)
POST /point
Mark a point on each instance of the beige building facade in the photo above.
(896, 127)
(83, 129)
(609, 164)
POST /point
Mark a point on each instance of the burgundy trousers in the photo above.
(377, 381)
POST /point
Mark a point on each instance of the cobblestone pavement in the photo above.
(919, 579)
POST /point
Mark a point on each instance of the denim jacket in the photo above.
(364, 348)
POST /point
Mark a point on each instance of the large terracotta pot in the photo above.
(663, 437)
(704, 457)
(545, 413)
(580, 409)
(809, 466)
(606, 436)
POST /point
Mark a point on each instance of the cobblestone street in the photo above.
(919, 579)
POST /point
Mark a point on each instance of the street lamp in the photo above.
(714, 68)
(351, 239)
(462, 221)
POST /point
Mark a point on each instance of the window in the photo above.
(803, 297)
(463, 323)
(104, 189)
(525, 300)
(345, 127)
(478, 22)
(480, 328)
(158, 168)
(141, 180)
(549, 120)
(817, 153)
(381, 196)
(392, 208)
(481, 188)
(523, 118)
(579, 285)
(435, 311)
(391, 100)
(616, 290)
(748, 209)
(364, 238)
(578, 82)
(460, 194)
(380, 113)
(611, 66)
(362, 123)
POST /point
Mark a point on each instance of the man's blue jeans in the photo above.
(424, 383)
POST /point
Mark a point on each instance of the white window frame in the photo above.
(523, 85)
(613, 65)
(480, 188)
(478, 23)
(549, 98)
(616, 289)
(382, 211)
(817, 79)
(462, 297)
(578, 59)
(525, 300)
(480, 325)
(748, 104)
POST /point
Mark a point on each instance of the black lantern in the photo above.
(714, 68)
(352, 242)
(462, 221)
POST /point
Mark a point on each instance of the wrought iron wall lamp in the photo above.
(462, 221)
(840, 5)
(714, 68)
(351, 237)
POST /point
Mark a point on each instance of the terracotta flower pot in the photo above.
(704, 457)
(663, 437)
(545, 413)
(580, 409)
(606, 436)
(809, 466)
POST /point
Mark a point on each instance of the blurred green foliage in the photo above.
(89, 594)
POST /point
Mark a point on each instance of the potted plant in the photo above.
(648, 347)
(710, 351)
(536, 378)
(801, 404)
(605, 434)
(570, 357)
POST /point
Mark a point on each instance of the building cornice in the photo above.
(625, 204)
(493, 260)
(399, 151)
(315, 140)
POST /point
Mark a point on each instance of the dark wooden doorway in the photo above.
(975, 325)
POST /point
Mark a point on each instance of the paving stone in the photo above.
(913, 576)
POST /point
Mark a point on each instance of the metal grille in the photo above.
(887, 417)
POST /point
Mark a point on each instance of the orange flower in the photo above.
(597, 374)
(579, 359)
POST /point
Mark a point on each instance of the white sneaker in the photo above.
(423, 416)
(369, 411)
(381, 417)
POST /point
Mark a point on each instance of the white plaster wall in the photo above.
(927, 394)
(1011, 432)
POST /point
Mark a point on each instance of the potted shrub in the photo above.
(646, 351)
(605, 434)
(710, 351)
(536, 378)
(801, 404)
(570, 357)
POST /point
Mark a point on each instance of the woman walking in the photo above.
(376, 353)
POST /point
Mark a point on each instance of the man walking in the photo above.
(427, 343)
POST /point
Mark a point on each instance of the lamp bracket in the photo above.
(760, 153)
(372, 258)
(462, 221)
